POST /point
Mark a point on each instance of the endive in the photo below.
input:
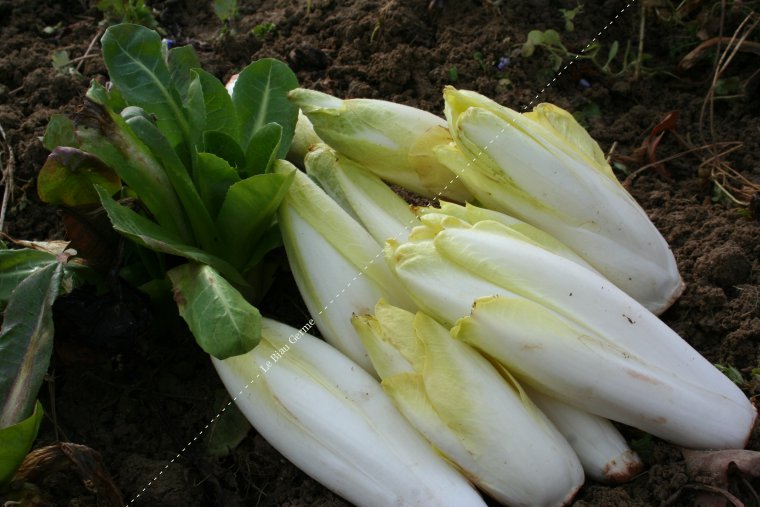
(601, 449)
(544, 168)
(392, 140)
(304, 138)
(473, 214)
(480, 421)
(362, 194)
(334, 422)
(337, 265)
(568, 331)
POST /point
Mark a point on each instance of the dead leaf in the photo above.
(718, 464)
(85, 461)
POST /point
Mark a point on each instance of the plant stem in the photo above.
(7, 177)
(642, 25)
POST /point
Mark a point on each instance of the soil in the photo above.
(139, 399)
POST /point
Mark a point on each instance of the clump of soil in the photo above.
(142, 402)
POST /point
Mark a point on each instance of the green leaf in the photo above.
(16, 265)
(536, 37)
(59, 132)
(112, 99)
(181, 60)
(150, 235)
(220, 113)
(263, 29)
(62, 62)
(552, 38)
(261, 96)
(732, 373)
(527, 49)
(26, 342)
(223, 322)
(107, 136)
(68, 177)
(228, 431)
(215, 176)
(132, 54)
(256, 200)
(644, 447)
(271, 239)
(200, 220)
(15, 443)
(223, 146)
(196, 110)
(263, 150)
(225, 10)
(612, 54)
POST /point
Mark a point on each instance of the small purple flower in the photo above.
(503, 63)
(169, 43)
(583, 82)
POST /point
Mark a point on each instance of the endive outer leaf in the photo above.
(576, 139)
(493, 252)
(478, 421)
(337, 265)
(571, 362)
(332, 420)
(387, 360)
(303, 139)
(390, 333)
(440, 287)
(541, 169)
(601, 448)
(362, 194)
(565, 131)
(392, 140)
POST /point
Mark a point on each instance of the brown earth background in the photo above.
(138, 400)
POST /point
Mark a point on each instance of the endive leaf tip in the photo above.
(361, 319)
(484, 302)
(311, 101)
(282, 166)
(382, 304)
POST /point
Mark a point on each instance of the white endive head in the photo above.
(543, 167)
(602, 450)
(361, 193)
(333, 421)
(480, 421)
(337, 265)
(304, 138)
(392, 140)
(568, 331)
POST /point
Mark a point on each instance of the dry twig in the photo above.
(87, 51)
(7, 176)
(730, 182)
(713, 166)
